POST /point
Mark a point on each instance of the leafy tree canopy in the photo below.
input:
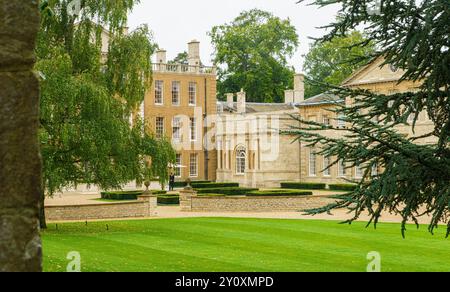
(251, 53)
(181, 58)
(333, 61)
(415, 177)
(93, 80)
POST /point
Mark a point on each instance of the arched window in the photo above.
(241, 155)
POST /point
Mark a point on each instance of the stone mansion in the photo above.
(239, 141)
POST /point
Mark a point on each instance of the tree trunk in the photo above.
(42, 219)
(20, 161)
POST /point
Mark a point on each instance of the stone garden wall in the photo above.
(190, 202)
(144, 207)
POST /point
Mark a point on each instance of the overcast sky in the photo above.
(176, 22)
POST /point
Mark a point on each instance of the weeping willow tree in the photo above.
(94, 76)
(415, 181)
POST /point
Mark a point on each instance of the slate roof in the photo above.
(252, 107)
(323, 98)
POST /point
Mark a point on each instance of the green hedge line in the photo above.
(121, 196)
(343, 187)
(305, 186)
(127, 195)
(182, 184)
(280, 193)
(227, 191)
(214, 185)
(169, 199)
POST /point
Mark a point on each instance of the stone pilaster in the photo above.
(152, 203)
(186, 199)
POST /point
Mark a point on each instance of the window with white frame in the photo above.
(159, 92)
(178, 165)
(341, 168)
(326, 120)
(159, 127)
(341, 121)
(241, 156)
(193, 129)
(326, 164)
(176, 92)
(176, 128)
(192, 93)
(193, 165)
(359, 172)
(312, 163)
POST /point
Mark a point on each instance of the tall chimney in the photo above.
(161, 56)
(241, 102)
(289, 96)
(194, 53)
(299, 88)
(230, 100)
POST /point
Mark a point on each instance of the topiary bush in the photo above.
(234, 191)
(158, 192)
(182, 184)
(301, 185)
(121, 196)
(126, 195)
(169, 199)
(279, 193)
(211, 195)
(342, 187)
(212, 185)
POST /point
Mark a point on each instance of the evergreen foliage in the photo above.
(415, 179)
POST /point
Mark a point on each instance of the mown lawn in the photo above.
(226, 244)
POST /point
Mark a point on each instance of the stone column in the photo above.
(186, 199)
(20, 161)
(152, 203)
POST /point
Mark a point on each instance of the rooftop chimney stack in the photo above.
(161, 56)
(299, 88)
(298, 94)
(289, 96)
(230, 100)
(241, 102)
(194, 53)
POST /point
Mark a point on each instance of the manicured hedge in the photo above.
(182, 184)
(159, 192)
(169, 199)
(214, 185)
(121, 196)
(343, 187)
(227, 191)
(211, 195)
(279, 193)
(126, 195)
(305, 186)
